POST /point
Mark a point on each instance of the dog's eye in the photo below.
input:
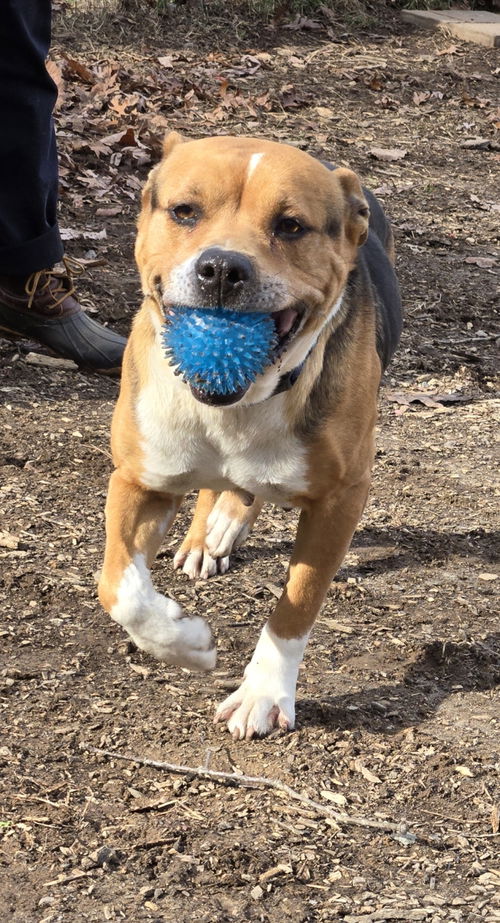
(289, 228)
(184, 214)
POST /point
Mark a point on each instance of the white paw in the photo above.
(250, 711)
(167, 633)
(266, 697)
(224, 533)
(158, 625)
(199, 564)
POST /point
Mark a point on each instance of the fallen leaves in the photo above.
(73, 69)
(484, 262)
(435, 401)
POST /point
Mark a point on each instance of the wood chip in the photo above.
(276, 870)
(8, 540)
(388, 154)
(51, 362)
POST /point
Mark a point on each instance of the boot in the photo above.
(42, 307)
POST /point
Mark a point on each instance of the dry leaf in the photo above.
(325, 113)
(411, 397)
(485, 262)
(56, 73)
(464, 771)
(421, 97)
(73, 68)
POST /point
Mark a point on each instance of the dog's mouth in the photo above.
(287, 323)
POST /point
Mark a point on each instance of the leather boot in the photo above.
(42, 307)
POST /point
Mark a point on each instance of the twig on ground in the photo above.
(476, 339)
(232, 778)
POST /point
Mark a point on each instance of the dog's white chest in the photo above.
(188, 446)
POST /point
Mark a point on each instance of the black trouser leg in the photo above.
(29, 236)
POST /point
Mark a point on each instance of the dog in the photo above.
(249, 225)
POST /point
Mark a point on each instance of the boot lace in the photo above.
(58, 281)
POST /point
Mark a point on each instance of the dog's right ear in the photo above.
(170, 141)
(149, 193)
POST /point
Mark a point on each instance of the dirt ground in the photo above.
(397, 713)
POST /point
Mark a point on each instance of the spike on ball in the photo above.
(216, 350)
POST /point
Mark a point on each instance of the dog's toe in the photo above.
(198, 564)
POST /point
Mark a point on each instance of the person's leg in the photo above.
(29, 236)
(35, 301)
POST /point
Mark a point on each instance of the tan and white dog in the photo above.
(249, 225)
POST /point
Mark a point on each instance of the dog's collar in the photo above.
(289, 378)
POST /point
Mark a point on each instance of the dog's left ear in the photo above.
(170, 141)
(357, 213)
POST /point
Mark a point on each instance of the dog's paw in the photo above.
(253, 710)
(158, 625)
(197, 563)
(224, 533)
(266, 697)
(166, 632)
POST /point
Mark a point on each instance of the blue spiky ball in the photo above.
(218, 351)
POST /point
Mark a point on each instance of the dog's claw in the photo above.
(199, 564)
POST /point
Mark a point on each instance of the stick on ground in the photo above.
(232, 778)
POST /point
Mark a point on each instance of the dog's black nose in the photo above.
(223, 274)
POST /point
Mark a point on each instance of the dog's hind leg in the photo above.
(136, 522)
(221, 522)
(192, 555)
(230, 521)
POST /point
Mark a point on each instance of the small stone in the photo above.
(109, 856)
(105, 857)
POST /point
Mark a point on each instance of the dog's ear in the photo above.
(170, 141)
(357, 213)
(149, 196)
(149, 193)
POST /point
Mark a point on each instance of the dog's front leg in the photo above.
(136, 522)
(266, 697)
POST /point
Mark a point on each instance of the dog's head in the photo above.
(253, 226)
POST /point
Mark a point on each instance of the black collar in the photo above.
(289, 378)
